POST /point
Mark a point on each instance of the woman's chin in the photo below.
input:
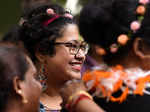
(76, 75)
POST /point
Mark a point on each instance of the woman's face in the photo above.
(31, 87)
(64, 65)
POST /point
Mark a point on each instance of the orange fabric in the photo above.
(98, 75)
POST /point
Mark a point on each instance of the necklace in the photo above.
(47, 109)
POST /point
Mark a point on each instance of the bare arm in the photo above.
(77, 99)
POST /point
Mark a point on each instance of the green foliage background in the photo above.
(10, 11)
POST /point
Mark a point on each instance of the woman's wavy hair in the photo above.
(37, 37)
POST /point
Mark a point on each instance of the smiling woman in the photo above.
(50, 35)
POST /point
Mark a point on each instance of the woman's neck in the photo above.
(51, 102)
(52, 89)
(50, 98)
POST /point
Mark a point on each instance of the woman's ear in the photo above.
(140, 48)
(19, 88)
(16, 84)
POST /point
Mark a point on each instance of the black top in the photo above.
(133, 103)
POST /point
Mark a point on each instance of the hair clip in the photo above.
(50, 20)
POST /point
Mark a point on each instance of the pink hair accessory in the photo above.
(50, 20)
(50, 11)
(68, 15)
(135, 25)
(143, 1)
(113, 48)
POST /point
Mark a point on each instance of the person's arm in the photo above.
(76, 99)
(86, 105)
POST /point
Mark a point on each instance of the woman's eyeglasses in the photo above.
(75, 47)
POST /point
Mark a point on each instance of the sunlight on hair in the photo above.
(73, 6)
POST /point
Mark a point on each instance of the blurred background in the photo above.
(10, 10)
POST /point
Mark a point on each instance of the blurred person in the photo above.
(17, 79)
(121, 29)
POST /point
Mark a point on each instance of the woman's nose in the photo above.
(80, 55)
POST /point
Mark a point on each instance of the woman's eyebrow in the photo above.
(76, 41)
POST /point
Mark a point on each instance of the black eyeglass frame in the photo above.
(72, 46)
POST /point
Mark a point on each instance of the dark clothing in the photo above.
(133, 103)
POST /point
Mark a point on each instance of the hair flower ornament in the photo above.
(134, 26)
(50, 11)
(140, 10)
(144, 2)
(122, 39)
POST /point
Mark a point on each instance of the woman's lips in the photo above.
(76, 67)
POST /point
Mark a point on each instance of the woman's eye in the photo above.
(83, 47)
(74, 46)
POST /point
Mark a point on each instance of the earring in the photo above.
(42, 78)
(25, 101)
(19, 91)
